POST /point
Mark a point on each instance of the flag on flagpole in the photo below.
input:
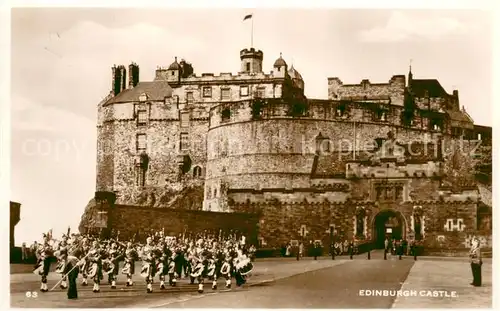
(247, 17)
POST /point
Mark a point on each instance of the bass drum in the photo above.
(245, 266)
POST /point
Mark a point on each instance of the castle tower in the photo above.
(174, 72)
(133, 75)
(251, 60)
(280, 68)
(119, 79)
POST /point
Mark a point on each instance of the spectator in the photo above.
(24, 252)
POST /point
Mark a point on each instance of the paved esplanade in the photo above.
(286, 283)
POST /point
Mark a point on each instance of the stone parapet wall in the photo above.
(130, 220)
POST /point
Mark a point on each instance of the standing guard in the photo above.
(476, 262)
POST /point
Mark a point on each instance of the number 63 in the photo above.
(31, 294)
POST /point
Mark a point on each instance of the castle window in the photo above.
(248, 66)
(226, 114)
(140, 176)
(215, 192)
(184, 142)
(197, 172)
(340, 110)
(189, 97)
(261, 92)
(142, 117)
(244, 91)
(207, 91)
(185, 119)
(141, 142)
(380, 115)
(225, 94)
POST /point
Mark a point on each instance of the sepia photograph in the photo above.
(251, 158)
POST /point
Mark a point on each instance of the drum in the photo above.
(244, 267)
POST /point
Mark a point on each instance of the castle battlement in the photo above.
(221, 78)
(355, 109)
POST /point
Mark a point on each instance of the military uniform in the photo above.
(475, 263)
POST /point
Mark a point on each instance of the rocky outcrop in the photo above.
(90, 216)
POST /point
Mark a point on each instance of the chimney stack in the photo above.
(119, 79)
(133, 75)
(456, 100)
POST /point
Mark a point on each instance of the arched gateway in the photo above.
(388, 224)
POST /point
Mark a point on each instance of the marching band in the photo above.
(163, 257)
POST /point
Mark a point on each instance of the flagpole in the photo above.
(251, 42)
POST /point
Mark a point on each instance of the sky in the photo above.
(61, 63)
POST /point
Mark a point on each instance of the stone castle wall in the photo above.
(118, 154)
(139, 221)
(393, 90)
(282, 222)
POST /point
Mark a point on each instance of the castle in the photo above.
(373, 160)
